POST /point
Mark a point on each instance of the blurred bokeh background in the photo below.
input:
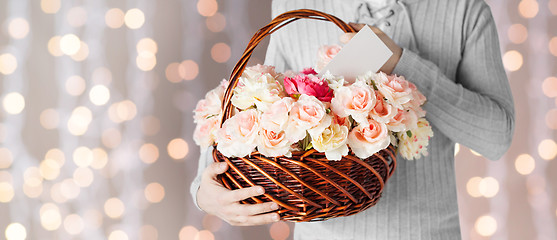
(96, 123)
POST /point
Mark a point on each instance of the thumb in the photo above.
(215, 169)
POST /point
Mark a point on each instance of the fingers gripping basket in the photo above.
(306, 186)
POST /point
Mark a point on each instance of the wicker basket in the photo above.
(306, 186)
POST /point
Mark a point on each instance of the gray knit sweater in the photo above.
(451, 52)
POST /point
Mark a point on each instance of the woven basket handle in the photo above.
(277, 23)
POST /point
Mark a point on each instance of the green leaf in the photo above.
(306, 142)
(409, 133)
(374, 86)
(296, 96)
(328, 110)
(351, 120)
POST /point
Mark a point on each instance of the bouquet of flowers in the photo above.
(278, 113)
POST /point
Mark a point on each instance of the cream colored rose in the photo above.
(273, 144)
(356, 100)
(368, 139)
(238, 135)
(261, 92)
(306, 113)
(414, 145)
(332, 141)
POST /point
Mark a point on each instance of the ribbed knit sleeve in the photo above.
(205, 159)
(477, 109)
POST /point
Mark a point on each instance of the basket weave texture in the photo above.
(306, 186)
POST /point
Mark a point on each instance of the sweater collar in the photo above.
(404, 1)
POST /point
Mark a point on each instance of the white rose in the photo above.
(238, 135)
(333, 81)
(276, 116)
(211, 105)
(204, 134)
(261, 91)
(414, 145)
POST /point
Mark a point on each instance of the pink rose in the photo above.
(306, 113)
(418, 99)
(276, 117)
(211, 105)
(395, 88)
(273, 144)
(403, 120)
(417, 96)
(420, 112)
(204, 109)
(325, 54)
(342, 121)
(204, 134)
(368, 138)
(383, 111)
(356, 100)
(309, 71)
(309, 85)
(257, 70)
(238, 135)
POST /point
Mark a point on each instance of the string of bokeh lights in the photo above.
(524, 164)
(538, 193)
(36, 178)
(45, 179)
(81, 117)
